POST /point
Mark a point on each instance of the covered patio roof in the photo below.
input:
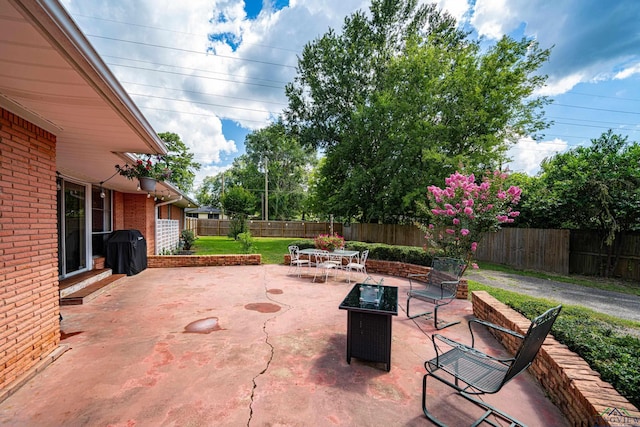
(51, 76)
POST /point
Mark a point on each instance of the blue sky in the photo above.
(214, 70)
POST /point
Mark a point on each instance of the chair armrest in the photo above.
(492, 326)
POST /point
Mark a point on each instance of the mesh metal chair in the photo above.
(439, 286)
(472, 372)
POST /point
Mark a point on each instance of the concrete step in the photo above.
(79, 281)
(92, 290)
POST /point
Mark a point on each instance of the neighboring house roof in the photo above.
(53, 77)
(203, 209)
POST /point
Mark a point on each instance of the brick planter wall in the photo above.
(568, 380)
(165, 261)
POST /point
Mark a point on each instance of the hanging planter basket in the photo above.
(147, 184)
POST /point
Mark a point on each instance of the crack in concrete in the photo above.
(253, 380)
(266, 340)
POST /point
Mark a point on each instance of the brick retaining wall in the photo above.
(166, 261)
(401, 269)
(571, 384)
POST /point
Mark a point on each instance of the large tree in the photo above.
(180, 161)
(593, 188)
(400, 99)
(286, 164)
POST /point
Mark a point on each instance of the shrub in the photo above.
(464, 211)
(237, 225)
(187, 237)
(246, 242)
(612, 354)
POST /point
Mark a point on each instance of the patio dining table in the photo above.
(337, 255)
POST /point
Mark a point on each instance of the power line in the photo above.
(157, 64)
(190, 51)
(596, 109)
(177, 32)
(202, 103)
(200, 114)
(602, 96)
(593, 121)
(191, 75)
(204, 93)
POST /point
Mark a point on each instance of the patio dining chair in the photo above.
(360, 265)
(439, 287)
(471, 372)
(296, 262)
(324, 263)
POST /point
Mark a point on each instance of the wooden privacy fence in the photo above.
(391, 234)
(293, 229)
(554, 251)
(191, 224)
(589, 257)
(527, 249)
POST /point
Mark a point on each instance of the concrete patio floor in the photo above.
(245, 346)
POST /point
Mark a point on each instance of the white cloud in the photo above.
(557, 86)
(493, 18)
(628, 72)
(527, 154)
(456, 8)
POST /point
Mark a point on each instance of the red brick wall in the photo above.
(177, 214)
(568, 380)
(167, 261)
(135, 211)
(118, 211)
(172, 212)
(29, 322)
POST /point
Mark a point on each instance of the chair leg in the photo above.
(416, 315)
(491, 410)
(424, 404)
(442, 324)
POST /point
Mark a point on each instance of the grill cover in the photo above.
(126, 252)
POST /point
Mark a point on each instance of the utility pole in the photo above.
(221, 207)
(266, 188)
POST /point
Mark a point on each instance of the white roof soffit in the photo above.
(51, 75)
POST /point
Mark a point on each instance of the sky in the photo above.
(214, 70)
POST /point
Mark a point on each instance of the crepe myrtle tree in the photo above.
(464, 210)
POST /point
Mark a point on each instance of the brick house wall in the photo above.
(29, 313)
(172, 212)
(135, 211)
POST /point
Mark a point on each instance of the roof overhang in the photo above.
(51, 76)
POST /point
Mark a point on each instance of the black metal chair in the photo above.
(439, 286)
(474, 372)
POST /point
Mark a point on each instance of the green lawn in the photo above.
(272, 249)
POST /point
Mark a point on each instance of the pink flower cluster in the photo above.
(464, 210)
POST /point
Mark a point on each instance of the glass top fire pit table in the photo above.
(369, 310)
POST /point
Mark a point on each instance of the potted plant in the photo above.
(329, 242)
(146, 171)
